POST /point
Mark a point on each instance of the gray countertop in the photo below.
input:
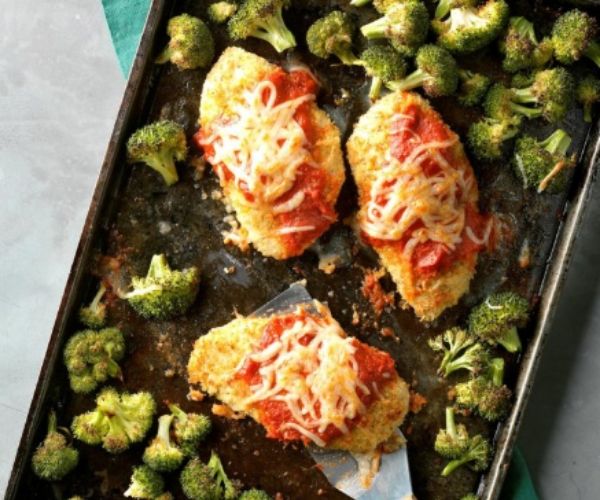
(60, 87)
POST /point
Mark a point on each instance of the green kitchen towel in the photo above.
(125, 20)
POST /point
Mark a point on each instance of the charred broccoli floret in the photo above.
(543, 164)
(54, 458)
(200, 481)
(332, 36)
(454, 440)
(91, 358)
(164, 292)
(190, 429)
(145, 483)
(488, 136)
(254, 495)
(383, 64)
(497, 318)
(220, 12)
(191, 45)
(445, 6)
(436, 72)
(461, 352)
(472, 87)
(405, 24)
(161, 454)
(521, 48)
(588, 94)
(159, 145)
(477, 456)
(94, 315)
(574, 36)
(471, 28)
(262, 19)
(117, 421)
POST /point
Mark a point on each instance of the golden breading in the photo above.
(238, 71)
(217, 356)
(367, 146)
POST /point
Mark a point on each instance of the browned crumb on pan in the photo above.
(373, 291)
(417, 402)
(195, 395)
(226, 412)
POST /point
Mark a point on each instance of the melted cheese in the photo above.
(262, 146)
(318, 382)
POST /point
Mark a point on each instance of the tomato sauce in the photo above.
(374, 368)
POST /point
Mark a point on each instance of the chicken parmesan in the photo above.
(277, 155)
(303, 379)
(417, 201)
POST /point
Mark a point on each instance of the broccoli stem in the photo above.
(497, 371)
(98, 297)
(165, 166)
(52, 425)
(273, 30)
(450, 422)
(469, 456)
(587, 112)
(164, 56)
(178, 413)
(524, 28)
(510, 340)
(347, 57)
(164, 426)
(414, 80)
(593, 52)
(442, 9)
(525, 111)
(359, 3)
(159, 267)
(376, 84)
(524, 96)
(557, 143)
(376, 29)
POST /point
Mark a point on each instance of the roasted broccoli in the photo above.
(163, 293)
(190, 429)
(521, 48)
(471, 28)
(220, 12)
(461, 352)
(200, 481)
(94, 315)
(254, 495)
(486, 393)
(383, 64)
(145, 483)
(191, 45)
(436, 72)
(488, 136)
(332, 36)
(477, 456)
(159, 145)
(472, 87)
(161, 454)
(54, 458)
(497, 318)
(543, 164)
(470, 496)
(91, 358)
(117, 421)
(445, 6)
(574, 36)
(262, 19)
(452, 441)
(405, 24)
(588, 94)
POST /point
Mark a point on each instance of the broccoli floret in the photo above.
(254, 495)
(163, 293)
(383, 64)
(543, 165)
(262, 19)
(94, 315)
(332, 35)
(91, 358)
(588, 94)
(405, 24)
(521, 48)
(574, 36)
(522, 79)
(161, 454)
(54, 458)
(145, 483)
(159, 145)
(452, 441)
(471, 28)
(497, 318)
(461, 352)
(201, 481)
(190, 429)
(117, 421)
(477, 456)
(472, 87)
(359, 3)
(436, 72)
(191, 45)
(220, 12)
(445, 6)
(487, 137)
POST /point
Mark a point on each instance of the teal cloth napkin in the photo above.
(125, 20)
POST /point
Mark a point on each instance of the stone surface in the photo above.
(60, 87)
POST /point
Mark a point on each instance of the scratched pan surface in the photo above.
(133, 216)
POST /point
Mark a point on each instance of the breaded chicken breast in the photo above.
(417, 201)
(302, 378)
(277, 155)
